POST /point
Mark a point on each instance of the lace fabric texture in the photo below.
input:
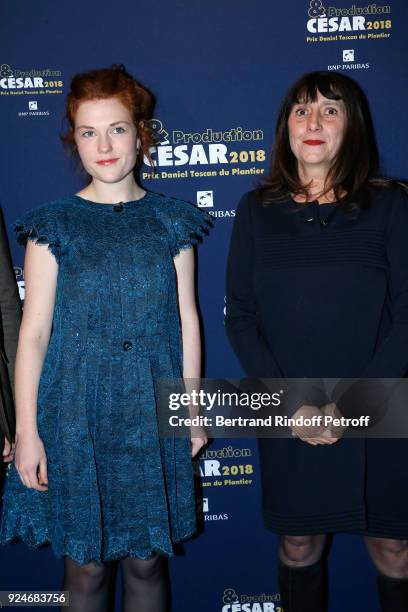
(115, 488)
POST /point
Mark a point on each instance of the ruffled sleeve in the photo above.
(188, 225)
(38, 224)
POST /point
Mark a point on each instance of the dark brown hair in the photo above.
(355, 167)
(113, 82)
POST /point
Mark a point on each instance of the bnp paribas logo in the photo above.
(316, 9)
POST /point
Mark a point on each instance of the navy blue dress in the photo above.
(315, 292)
(115, 488)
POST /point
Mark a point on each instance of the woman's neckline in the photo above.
(86, 202)
(316, 201)
(301, 205)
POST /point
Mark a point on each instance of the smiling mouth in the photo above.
(314, 143)
(107, 162)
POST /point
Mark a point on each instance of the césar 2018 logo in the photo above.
(204, 147)
(351, 19)
(232, 602)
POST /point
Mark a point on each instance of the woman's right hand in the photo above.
(31, 461)
(313, 435)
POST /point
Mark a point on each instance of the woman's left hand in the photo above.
(8, 451)
(197, 442)
(331, 410)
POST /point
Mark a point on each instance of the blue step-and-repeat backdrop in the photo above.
(220, 69)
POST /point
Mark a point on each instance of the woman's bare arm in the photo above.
(40, 274)
(190, 327)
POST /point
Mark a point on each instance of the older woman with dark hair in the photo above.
(317, 286)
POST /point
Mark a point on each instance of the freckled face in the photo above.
(316, 131)
(106, 138)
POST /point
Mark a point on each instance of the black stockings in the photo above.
(145, 584)
(88, 586)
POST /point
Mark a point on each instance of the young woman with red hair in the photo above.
(109, 310)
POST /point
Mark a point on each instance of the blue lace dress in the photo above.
(115, 488)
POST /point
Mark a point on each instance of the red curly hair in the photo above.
(113, 82)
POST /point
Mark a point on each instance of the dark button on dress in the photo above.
(312, 299)
(115, 488)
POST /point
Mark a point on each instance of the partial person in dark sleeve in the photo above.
(317, 288)
(10, 307)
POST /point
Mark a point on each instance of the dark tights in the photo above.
(145, 585)
(88, 586)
